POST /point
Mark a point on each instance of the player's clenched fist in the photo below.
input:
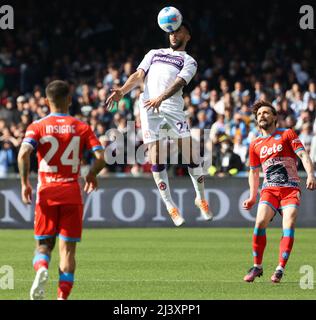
(248, 204)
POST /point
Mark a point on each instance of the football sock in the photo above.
(161, 178)
(40, 260)
(286, 245)
(280, 268)
(197, 177)
(65, 285)
(259, 241)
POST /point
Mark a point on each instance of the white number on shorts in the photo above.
(72, 148)
(182, 126)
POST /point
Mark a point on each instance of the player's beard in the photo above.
(266, 125)
(177, 45)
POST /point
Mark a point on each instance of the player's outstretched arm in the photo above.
(91, 182)
(156, 102)
(117, 94)
(308, 166)
(24, 170)
(253, 179)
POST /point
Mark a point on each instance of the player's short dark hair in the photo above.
(261, 103)
(57, 91)
(187, 25)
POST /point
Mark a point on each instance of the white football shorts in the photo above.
(166, 123)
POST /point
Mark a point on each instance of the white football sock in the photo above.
(279, 268)
(162, 182)
(197, 178)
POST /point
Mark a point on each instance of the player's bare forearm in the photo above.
(309, 168)
(307, 162)
(134, 80)
(24, 169)
(24, 164)
(99, 163)
(91, 183)
(178, 84)
(253, 180)
(117, 94)
(156, 102)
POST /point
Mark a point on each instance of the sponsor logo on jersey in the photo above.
(175, 61)
(53, 179)
(268, 151)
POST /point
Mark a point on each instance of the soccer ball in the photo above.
(169, 19)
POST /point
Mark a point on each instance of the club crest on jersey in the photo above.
(268, 151)
(277, 137)
(162, 186)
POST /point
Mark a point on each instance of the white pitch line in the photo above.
(162, 280)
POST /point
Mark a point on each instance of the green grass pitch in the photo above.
(171, 263)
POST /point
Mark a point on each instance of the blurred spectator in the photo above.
(205, 92)
(7, 158)
(196, 96)
(304, 118)
(257, 90)
(240, 148)
(297, 104)
(203, 122)
(238, 126)
(224, 102)
(237, 94)
(306, 136)
(310, 94)
(290, 122)
(218, 127)
(313, 151)
(225, 161)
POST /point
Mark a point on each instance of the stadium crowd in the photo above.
(239, 62)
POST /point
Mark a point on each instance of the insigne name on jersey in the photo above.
(49, 129)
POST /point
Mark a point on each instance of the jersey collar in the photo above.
(269, 135)
(179, 51)
(56, 114)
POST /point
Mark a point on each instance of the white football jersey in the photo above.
(162, 67)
